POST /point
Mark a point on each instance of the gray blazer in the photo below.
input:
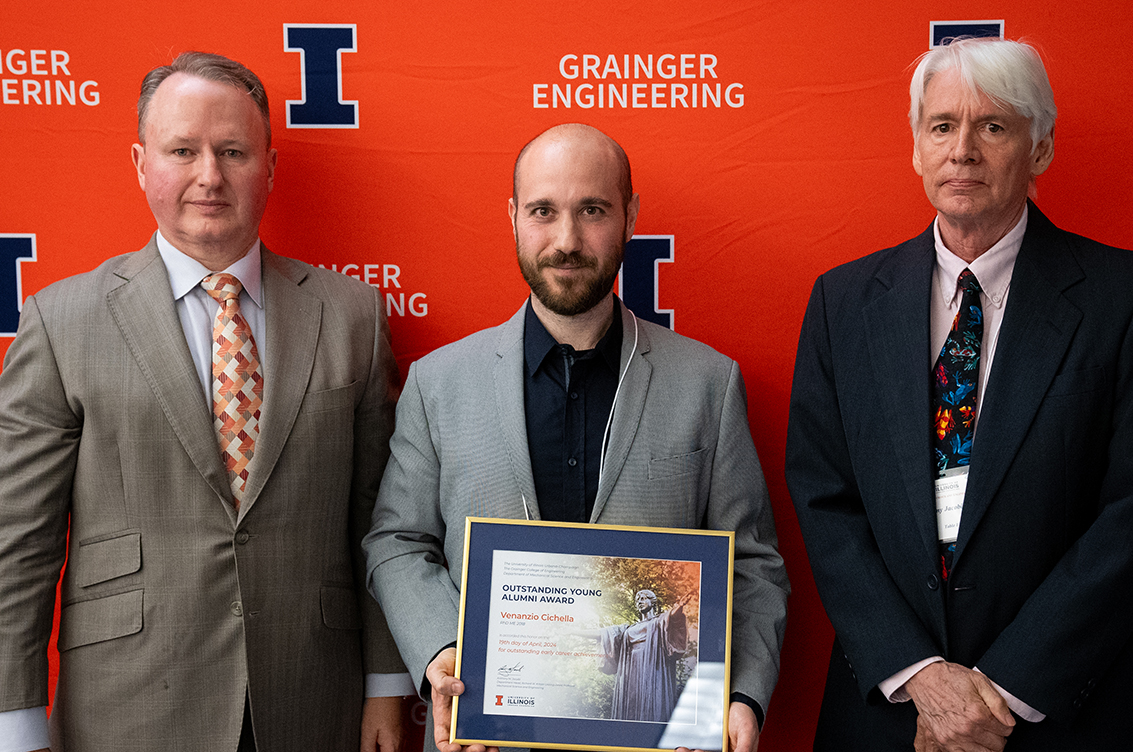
(680, 455)
(174, 606)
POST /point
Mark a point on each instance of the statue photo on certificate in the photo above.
(643, 656)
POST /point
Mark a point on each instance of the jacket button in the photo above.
(932, 582)
(242, 537)
(237, 609)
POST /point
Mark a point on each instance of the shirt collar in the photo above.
(538, 342)
(186, 272)
(993, 268)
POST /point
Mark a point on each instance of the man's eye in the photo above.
(592, 211)
(942, 128)
(233, 153)
(182, 152)
(542, 211)
(994, 127)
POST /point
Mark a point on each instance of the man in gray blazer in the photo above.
(207, 603)
(572, 410)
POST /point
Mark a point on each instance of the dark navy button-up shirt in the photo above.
(568, 395)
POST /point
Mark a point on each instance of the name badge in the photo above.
(950, 503)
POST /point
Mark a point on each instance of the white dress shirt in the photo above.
(993, 269)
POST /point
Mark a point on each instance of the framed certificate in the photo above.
(593, 637)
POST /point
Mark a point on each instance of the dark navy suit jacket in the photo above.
(1041, 594)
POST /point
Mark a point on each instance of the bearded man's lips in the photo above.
(567, 263)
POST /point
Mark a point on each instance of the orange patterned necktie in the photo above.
(237, 382)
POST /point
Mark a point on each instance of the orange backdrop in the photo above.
(802, 164)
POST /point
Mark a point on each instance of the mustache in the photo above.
(574, 260)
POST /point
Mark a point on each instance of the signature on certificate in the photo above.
(509, 670)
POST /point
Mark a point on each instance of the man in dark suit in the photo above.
(212, 421)
(960, 446)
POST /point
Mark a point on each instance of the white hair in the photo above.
(1009, 73)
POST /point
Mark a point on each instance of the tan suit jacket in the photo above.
(173, 605)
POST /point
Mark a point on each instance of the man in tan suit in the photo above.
(208, 603)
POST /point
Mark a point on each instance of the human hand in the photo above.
(743, 729)
(924, 741)
(958, 710)
(382, 724)
(441, 674)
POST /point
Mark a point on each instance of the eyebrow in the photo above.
(997, 113)
(584, 201)
(226, 143)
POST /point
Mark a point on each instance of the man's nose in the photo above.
(209, 172)
(568, 239)
(965, 146)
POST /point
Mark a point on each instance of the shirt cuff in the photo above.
(387, 685)
(755, 707)
(894, 690)
(426, 687)
(1018, 707)
(894, 687)
(24, 730)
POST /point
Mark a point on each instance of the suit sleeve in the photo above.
(879, 631)
(405, 548)
(373, 424)
(738, 500)
(39, 445)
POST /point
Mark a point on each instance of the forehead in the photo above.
(564, 169)
(948, 93)
(184, 102)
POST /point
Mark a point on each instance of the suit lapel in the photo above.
(628, 406)
(1038, 327)
(507, 379)
(293, 318)
(144, 310)
(898, 341)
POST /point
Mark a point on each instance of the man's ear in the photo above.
(631, 215)
(138, 155)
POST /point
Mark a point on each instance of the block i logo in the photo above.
(14, 250)
(638, 284)
(320, 48)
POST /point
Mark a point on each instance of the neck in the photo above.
(969, 241)
(581, 331)
(215, 257)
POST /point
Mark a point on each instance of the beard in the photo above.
(573, 296)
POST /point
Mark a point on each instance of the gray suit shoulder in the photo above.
(470, 352)
(666, 350)
(106, 276)
(670, 350)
